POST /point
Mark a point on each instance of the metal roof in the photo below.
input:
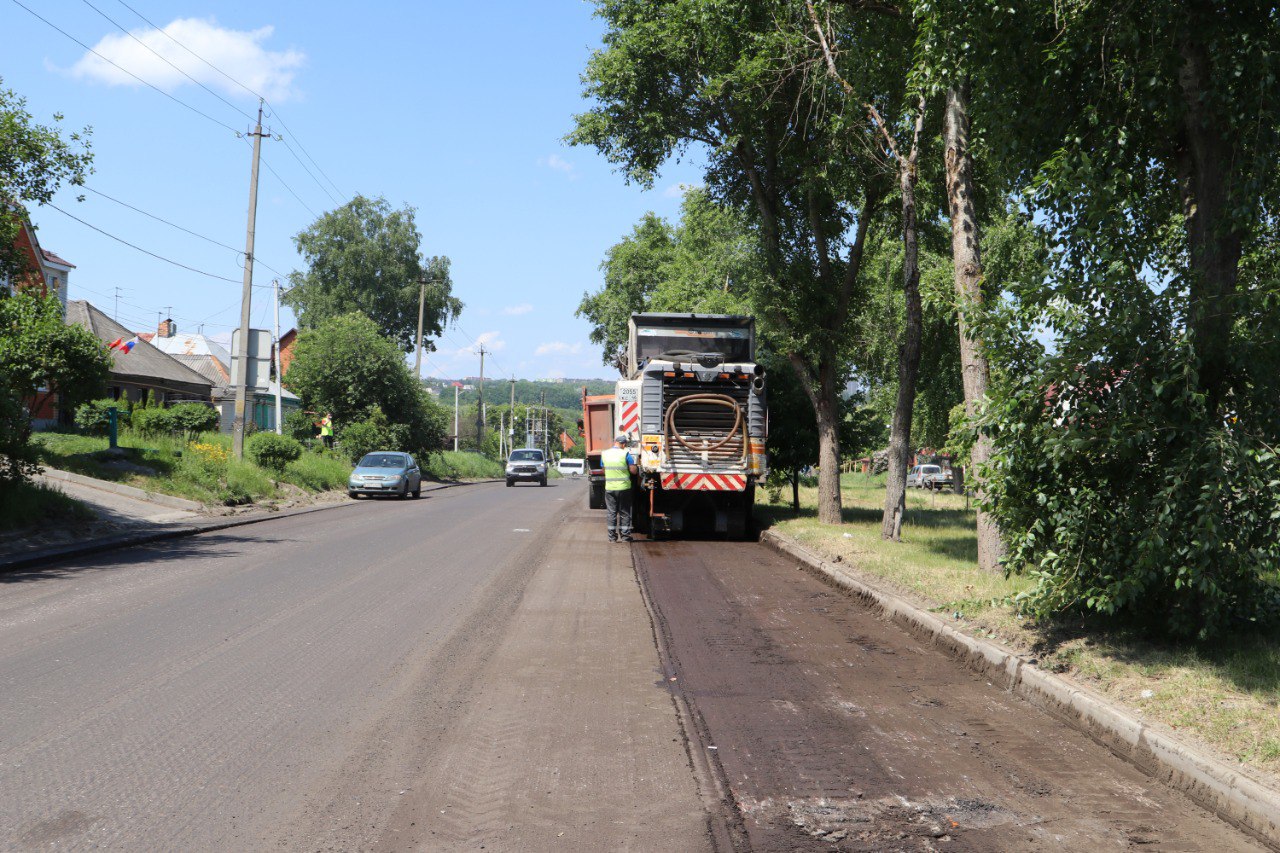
(145, 365)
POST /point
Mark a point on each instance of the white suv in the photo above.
(527, 463)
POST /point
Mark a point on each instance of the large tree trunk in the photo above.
(825, 397)
(828, 455)
(795, 490)
(908, 363)
(966, 255)
(1213, 240)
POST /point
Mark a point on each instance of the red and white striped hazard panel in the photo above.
(705, 482)
(630, 417)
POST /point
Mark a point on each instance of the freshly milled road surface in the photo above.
(476, 665)
(837, 730)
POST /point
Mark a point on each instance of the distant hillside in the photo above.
(560, 393)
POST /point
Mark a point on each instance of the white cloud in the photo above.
(558, 348)
(678, 190)
(239, 53)
(559, 164)
(515, 310)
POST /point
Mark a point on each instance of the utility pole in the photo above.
(275, 357)
(511, 432)
(480, 403)
(417, 360)
(246, 298)
(456, 386)
(542, 420)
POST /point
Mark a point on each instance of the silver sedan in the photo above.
(385, 472)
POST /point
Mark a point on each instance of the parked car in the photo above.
(527, 464)
(921, 476)
(385, 472)
(572, 467)
(940, 481)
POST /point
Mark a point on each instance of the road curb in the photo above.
(121, 489)
(1208, 780)
(174, 531)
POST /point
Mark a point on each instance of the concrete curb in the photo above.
(1208, 780)
(175, 531)
(121, 489)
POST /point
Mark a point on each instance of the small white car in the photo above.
(572, 467)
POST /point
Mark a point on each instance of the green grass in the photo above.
(25, 505)
(1225, 695)
(462, 465)
(201, 470)
(317, 473)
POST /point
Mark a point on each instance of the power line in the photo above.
(322, 187)
(163, 220)
(275, 113)
(306, 206)
(176, 100)
(165, 60)
(140, 249)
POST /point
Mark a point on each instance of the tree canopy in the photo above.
(346, 367)
(41, 355)
(365, 256)
(35, 160)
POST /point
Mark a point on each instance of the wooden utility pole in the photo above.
(275, 357)
(511, 432)
(417, 360)
(246, 296)
(480, 403)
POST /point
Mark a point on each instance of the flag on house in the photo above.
(117, 342)
(124, 347)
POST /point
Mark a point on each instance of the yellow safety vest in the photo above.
(326, 427)
(617, 476)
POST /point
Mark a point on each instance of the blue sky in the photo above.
(456, 109)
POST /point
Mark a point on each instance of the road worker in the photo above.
(326, 429)
(619, 466)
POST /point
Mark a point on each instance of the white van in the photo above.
(571, 467)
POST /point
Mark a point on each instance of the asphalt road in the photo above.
(474, 665)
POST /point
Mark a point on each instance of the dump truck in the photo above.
(597, 429)
(693, 408)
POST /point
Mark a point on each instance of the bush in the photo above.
(373, 433)
(91, 417)
(299, 426)
(155, 421)
(1121, 493)
(194, 418)
(271, 451)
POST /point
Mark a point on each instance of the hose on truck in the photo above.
(714, 399)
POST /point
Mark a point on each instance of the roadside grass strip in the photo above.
(200, 470)
(462, 465)
(1225, 695)
(31, 504)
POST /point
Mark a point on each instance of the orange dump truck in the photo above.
(597, 428)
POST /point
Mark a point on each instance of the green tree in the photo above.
(365, 257)
(35, 160)
(685, 73)
(41, 355)
(344, 366)
(709, 262)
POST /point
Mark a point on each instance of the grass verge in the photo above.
(1225, 694)
(28, 504)
(461, 465)
(201, 470)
